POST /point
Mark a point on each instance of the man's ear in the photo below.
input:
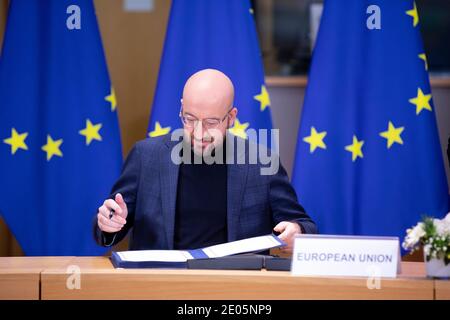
(233, 115)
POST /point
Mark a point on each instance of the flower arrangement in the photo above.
(433, 235)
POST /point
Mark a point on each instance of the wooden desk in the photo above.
(20, 276)
(99, 280)
(442, 289)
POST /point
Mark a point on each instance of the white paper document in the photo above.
(155, 255)
(255, 244)
(240, 246)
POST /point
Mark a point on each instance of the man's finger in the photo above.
(118, 219)
(105, 212)
(109, 223)
(284, 235)
(281, 226)
(107, 229)
(111, 204)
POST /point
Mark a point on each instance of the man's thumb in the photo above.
(280, 227)
(120, 201)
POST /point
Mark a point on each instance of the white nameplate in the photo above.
(327, 255)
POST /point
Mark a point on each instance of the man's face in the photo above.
(205, 123)
(207, 109)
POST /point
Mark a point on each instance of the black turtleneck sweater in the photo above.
(201, 206)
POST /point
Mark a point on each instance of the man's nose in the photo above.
(198, 130)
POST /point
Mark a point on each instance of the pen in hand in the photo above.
(111, 214)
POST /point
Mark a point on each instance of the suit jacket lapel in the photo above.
(169, 182)
(236, 182)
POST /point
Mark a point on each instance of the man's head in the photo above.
(207, 108)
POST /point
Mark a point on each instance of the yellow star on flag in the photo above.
(413, 13)
(355, 148)
(422, 101)
(424, 58)
(315, 140)
(263, 98)
(16, 141)
(91, 132)
(392, 135)
(239, 129)
(158, 131)
(111, 98)
(52, 147)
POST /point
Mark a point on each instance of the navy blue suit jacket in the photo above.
(148, 183)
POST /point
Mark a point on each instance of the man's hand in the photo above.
(287, 231)
(118, 220)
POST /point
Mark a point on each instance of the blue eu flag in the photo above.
(211, 34)
(59, 138)
(368, 157)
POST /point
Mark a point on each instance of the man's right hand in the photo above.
(118, 220)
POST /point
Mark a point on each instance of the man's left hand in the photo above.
(288, 231)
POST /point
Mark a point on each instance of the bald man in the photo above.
(195, 203)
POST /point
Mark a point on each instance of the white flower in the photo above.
(442, 226)
(417, 232)
(447, 218)
(414, 235)
(433, 247)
